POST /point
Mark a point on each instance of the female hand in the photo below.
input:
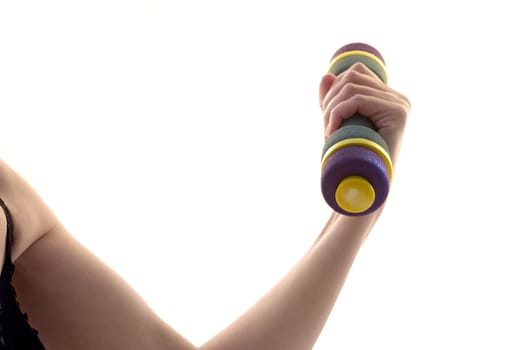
(359, 90)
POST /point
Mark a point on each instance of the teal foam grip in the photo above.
(356, 127)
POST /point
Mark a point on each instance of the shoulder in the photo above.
(31, 217)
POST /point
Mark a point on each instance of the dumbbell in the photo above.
(356, 168)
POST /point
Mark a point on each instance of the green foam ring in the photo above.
(355, 127)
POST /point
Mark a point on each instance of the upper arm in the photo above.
(72, 298)
(76, 301)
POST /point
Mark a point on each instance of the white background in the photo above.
(180, 141)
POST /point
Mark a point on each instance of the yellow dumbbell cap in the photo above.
(355, 194)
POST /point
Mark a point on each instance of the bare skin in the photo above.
(78, 302)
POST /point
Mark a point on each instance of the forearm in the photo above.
(293, 313)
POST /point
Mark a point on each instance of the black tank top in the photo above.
(15, 331)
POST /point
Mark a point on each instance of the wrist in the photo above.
(354, 227)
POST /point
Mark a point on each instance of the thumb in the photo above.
(325, 84)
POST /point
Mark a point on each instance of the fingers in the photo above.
(357, 90)
(382, 110)
(358, 74)
(352, 99)
(324, 87)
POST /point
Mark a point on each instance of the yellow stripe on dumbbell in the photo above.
(360, 142)
(359, 53)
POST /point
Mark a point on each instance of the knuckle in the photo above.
(359, 98)
(359, 66)
(408, 104)
(401, 113)
(352, 74)
(404, 100)
(335, 113)
(350, 89)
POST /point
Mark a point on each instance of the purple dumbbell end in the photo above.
(358, 47)
(355, 161)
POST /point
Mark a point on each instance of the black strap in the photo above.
(15, 331)
(8, 264)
